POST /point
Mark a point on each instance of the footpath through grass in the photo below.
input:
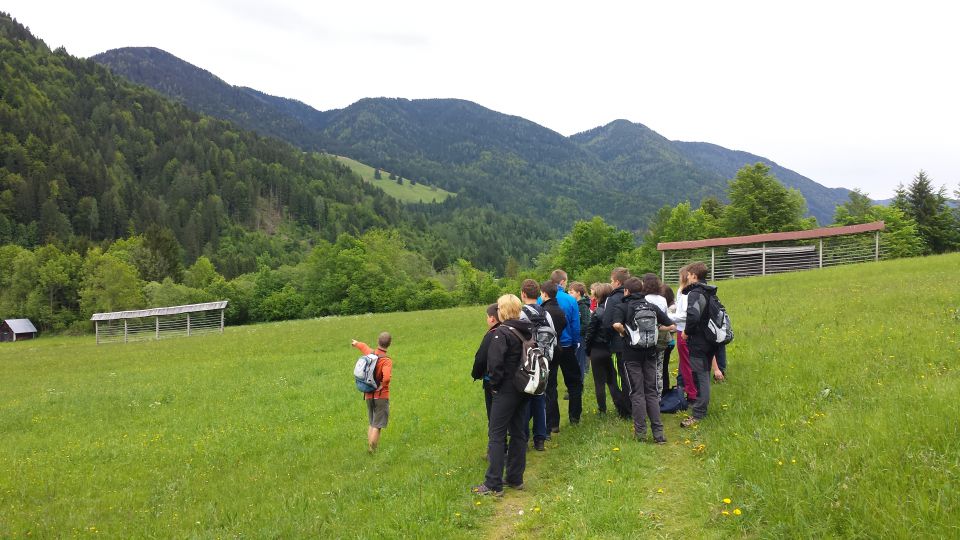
(839, 420)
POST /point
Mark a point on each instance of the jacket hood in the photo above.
(707, 289)
(525, 327)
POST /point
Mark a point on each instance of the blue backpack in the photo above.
(364, 372)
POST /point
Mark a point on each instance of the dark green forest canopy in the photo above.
(87, 157)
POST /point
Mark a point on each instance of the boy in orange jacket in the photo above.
(378, 401)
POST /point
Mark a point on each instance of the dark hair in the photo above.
(634, 285)
(492, 311)
(667, 292)
(698, 269)
(384, 339)
(579, 287)
(549, 288)
(651, 284)
(558, 276)
(530, 289)
(601, 291)
(620, 275)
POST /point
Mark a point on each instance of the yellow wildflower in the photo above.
(726, 501)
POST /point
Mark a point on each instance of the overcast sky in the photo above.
(848, 93)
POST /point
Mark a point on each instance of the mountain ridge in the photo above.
(461, 145)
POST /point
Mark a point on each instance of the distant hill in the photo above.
(821, 200)
(622, 171)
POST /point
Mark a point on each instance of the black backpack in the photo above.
(642, 325)
(543, 330)
(534, 371)
(718, 329)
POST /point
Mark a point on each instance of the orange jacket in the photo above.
(383, 372)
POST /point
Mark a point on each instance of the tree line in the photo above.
(378, 271)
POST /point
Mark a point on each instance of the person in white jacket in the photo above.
(679, 317)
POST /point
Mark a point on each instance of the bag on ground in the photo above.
(534, 368)
(364, 371)
(544, 332)
(718, 329)
(642, 326)
(673, 401)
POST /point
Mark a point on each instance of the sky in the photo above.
(848, 93)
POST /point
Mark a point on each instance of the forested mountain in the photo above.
(86, 156)
(821, 200)
(495, 159)
(204, 92)
(649, 165)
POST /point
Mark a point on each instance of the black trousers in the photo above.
(642, 381)
(666, 370)
(508, 415)
(604, 377)
(565, 360)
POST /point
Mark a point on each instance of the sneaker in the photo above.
(555, 429)
(482, 489)
(689, 421)
(519, 487)
(538, 445)
(659, 439)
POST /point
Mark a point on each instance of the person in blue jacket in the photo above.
(566, 358)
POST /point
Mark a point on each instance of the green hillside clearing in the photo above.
(838, 420)
(407, 193)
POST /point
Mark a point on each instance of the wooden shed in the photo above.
(17, 329)
(772, 253)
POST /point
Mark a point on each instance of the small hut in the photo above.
(17, 329)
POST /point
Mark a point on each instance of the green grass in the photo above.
(839, 420)
(407, 193)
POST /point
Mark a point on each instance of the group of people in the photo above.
(592, 334)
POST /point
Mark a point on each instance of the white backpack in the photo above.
(363, 372)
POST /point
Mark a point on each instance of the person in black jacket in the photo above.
(641, 364)
(508, 409)
(480, 358)
(617, 277)
(701, 350)
(597, 345)
(568, 363)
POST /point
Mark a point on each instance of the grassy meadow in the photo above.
(407, 193)
(839, 419)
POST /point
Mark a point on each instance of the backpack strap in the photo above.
(517, 333)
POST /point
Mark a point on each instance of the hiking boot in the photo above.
(660, 439)
(689, 421)
(538, 445)
(555, 429)
(482, 489)
(519, 487)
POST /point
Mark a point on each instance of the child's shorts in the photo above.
(379, 412)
